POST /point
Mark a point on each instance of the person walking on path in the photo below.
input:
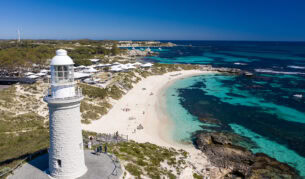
(106, 148)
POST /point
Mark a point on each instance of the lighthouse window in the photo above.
(63, 74)
(59, 163)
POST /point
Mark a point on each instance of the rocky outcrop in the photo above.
(210, 121)
(225, 151)
(235, 71)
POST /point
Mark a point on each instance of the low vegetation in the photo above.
(15, 55)
(146, 160)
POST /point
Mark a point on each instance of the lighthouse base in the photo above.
(74, 175)
(98, 166)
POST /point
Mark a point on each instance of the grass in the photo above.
(90, 111)
(14, 148)
(134, 170)
(10, 123)
(6, 96)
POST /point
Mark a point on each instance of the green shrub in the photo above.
(133, 170)
(115, 92)
(196, 176)
(93, 92)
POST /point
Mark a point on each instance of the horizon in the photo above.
(76, 39)
(195, 20)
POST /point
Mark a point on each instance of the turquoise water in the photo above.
(228, 58)
(185, 123)
(215, 88)
(271, 55)
(271, 148)
(190, 59)
(262, 108)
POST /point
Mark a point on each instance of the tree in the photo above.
(115, 50)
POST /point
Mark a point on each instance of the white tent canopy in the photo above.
(137, 63)
(33, 76)
(116, 68)
(94, 60)
(78, 75)
(44, 71)
(90, 70)
(28, 73)
(147, 65)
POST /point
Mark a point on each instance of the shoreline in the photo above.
(146, 103)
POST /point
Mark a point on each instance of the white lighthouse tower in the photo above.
(66, 153)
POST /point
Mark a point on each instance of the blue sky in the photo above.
(282, 20)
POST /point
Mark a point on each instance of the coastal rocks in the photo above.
(229, 70)
(226, 70)
(224, 150)
(210, 121)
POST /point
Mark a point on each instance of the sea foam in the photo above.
(278, 72)
(296, 67)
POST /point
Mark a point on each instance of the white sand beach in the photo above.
(146, 107)
(145, 102)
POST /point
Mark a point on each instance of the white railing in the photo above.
(49, 95)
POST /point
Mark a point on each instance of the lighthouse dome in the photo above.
(61, 58)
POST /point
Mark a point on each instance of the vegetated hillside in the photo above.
(23, 55)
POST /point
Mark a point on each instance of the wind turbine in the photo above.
(18, 33)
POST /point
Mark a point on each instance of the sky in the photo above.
(257, 20)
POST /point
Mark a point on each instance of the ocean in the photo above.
(268, 108)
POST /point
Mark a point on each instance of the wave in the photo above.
(237, 63)
(296, 67)
(278, 72)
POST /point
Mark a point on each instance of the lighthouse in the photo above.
(66, 153)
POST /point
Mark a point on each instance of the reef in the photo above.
(229, 152)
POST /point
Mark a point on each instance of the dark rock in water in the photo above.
(224, 151)
(248, 74)
(229, 70)
(204, 102)
(210, 120)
